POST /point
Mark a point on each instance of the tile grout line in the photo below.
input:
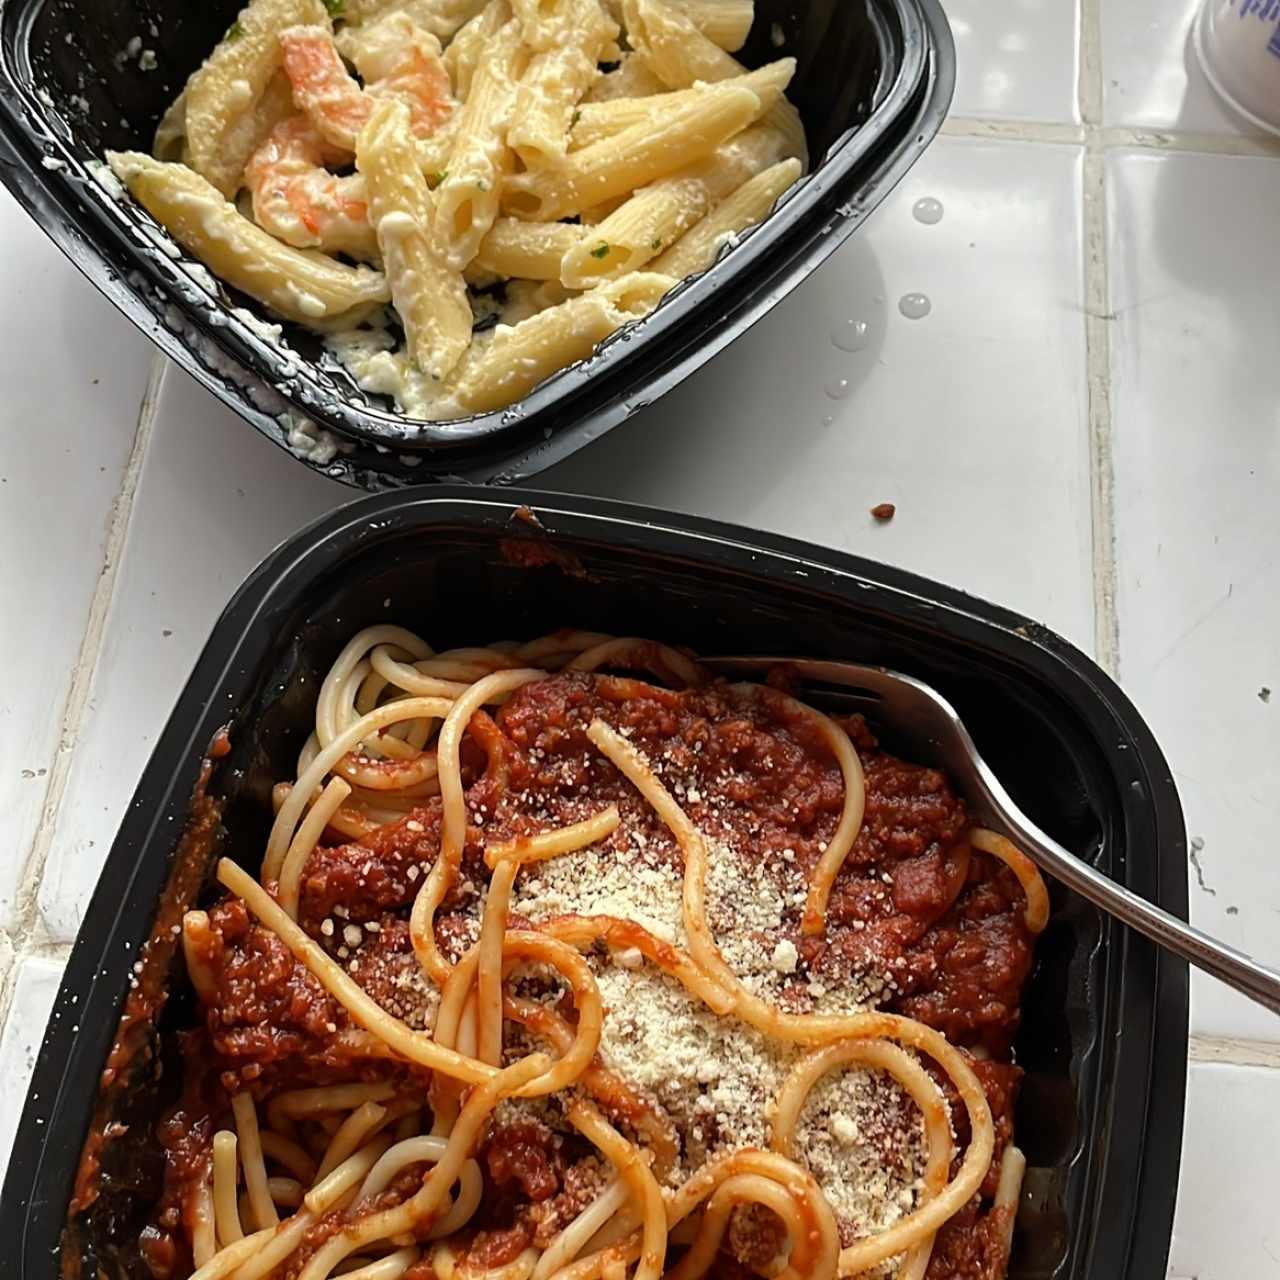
(1097, 342)
(1097, 139)
(27, 940)
(1234, 1052)
(1110, 137)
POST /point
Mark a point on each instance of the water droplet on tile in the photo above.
(849, 335)
(838, 388)
(915, 306)
(828, 420)
(927, 210)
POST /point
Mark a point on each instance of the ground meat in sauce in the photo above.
(971, 1246)
(910, 902)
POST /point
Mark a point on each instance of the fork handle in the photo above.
(1225, 963)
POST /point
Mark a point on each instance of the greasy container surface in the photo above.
(1104, 1036)
(873, 83)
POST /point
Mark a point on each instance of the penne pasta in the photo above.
(634, 157)
(657, 215)
(724, 22)
(462, 57)
(442, 18)
(300, 284)
(596, 120)
(468, 195)
(597, 213)
(751, 203)
(527, 298)
(171, 132)
(548, 24)
(681, 56)
(631, 78)
(250, 130)
(430, 296)
(553, 83)
(526, 250)
(223, 96)
(520, 356)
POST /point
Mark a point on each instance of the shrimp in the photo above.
(299, 201)
(395, 57)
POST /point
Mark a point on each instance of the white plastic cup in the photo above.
(1238, 43)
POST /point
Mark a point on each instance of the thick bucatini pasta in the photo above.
(566, 960)
(450, 157)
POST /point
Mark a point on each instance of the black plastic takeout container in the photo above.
(1104, 1036)
(873, 84)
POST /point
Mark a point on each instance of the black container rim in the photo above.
(1131, 1193)
(117, 248)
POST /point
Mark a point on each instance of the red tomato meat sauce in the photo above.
(939, 926)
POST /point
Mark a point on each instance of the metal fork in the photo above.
(930, 726)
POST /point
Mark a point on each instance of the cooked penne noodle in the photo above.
(300, 284)
(657, 215)
(553, 83)
(548, 24)
(724, 22)
(462, 57)
(430, 297)
(696, 250)
(255, 126)
(250, 130)
(521, 356)
(442, 18)
(526, 250)
(527, 298)
(681, 56)
(468, 195)
(597, 213)
(631, 78)
(596, 120)
(634, 157)
(171, 132)
(230, 84)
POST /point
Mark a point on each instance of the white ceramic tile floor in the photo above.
(64, 441)
(34, 990)
(972, 448)
(1151, 75)
(1197, 450)
(1226, 1225)
(213, 498)
(1017, 60)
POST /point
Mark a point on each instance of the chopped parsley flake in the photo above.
(601, 251)
(441, 176)
(657, 244)
(234, 31)
(577, 115)
(335, 7)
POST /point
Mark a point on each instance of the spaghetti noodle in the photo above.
(553, 971)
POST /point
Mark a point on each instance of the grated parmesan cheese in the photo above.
(713, 1078)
